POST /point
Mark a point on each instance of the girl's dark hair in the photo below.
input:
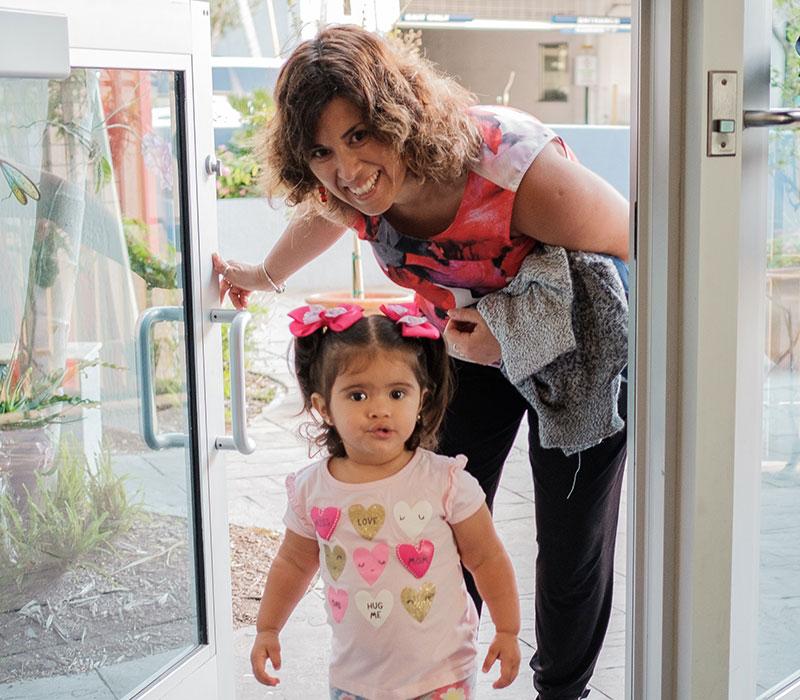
(404, 101)
(320, 357)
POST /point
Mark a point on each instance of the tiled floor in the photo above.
(256, 497)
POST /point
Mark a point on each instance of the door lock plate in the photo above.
(722, 128)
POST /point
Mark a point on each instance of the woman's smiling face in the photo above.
(352, 164)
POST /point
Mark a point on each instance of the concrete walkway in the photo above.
(256, 497)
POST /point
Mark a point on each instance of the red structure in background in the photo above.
(127, 104)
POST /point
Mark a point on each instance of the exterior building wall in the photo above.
(519, 9)
(482, 61)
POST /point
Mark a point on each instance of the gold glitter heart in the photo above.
(367, 521)
(417, 602)
(335, 560)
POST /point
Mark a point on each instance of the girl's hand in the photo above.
(505, 647)
(266, 646)
(238, 280)
(469, 338)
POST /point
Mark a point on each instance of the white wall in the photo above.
(249, 227)
(481, 60)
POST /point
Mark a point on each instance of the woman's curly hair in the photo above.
(321, 356)
(404, 101)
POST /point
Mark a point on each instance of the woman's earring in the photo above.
(323, 194)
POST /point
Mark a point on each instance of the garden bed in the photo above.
(115, 605)
(252, 552)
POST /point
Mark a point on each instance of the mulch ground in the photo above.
(252, 552)
(134, 600)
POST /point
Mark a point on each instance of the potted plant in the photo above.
(369, 301)
(29, 408)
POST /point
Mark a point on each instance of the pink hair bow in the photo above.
(308, 319)
(414, 324)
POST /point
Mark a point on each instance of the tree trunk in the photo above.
(68, 151)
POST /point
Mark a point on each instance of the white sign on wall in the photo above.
(586, 70)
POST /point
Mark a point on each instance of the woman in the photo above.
(453, 198)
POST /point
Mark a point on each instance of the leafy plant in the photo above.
(240, 169)
(788, 79)
(79, 512)
(784, 251)
(155, 272)
(238, 173)
(225, 16)
(28, 401)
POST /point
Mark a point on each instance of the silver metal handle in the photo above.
(213, 166)
(145, 378)
(771, 117)
(239, 440)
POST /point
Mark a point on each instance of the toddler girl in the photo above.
(388, 521)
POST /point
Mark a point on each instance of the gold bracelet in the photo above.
(278, 288)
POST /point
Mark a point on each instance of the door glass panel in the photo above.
(98, 583)
(779, 567)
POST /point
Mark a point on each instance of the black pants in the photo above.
(575, 535)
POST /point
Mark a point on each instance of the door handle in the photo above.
(239, 440)
(144, 374)
(771, 117)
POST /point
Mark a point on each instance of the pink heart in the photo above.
(325, 520)
(416, 559)
(337, 601)
(370, 564)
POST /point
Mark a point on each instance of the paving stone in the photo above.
(159, 479)
(247, 512)
(255, 487)
(512, 511)
(305, 645)
(123, 678)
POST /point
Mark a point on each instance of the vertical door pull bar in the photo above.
(144, 374)
(239, 440)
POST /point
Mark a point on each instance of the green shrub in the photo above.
(240, 169)
(79, 511)
(154, 271)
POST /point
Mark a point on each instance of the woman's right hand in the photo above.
(238, 280)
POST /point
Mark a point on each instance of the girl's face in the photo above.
(352, 164)
(374, 407)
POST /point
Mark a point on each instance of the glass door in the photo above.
(113, 537)
(776, 524)
(99, 562)
(717, 576)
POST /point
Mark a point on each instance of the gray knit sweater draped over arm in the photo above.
(562, 325)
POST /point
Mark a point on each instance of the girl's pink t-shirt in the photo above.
(403, 622)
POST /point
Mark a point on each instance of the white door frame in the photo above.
(656, 203)
(175, 36)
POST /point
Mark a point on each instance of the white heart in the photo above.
(412, 520)
(313, 313)
(375, 610)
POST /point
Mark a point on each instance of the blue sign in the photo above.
(578, 19)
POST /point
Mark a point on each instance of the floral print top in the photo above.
(476, 254)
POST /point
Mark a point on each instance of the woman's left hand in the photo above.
(469, 338)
